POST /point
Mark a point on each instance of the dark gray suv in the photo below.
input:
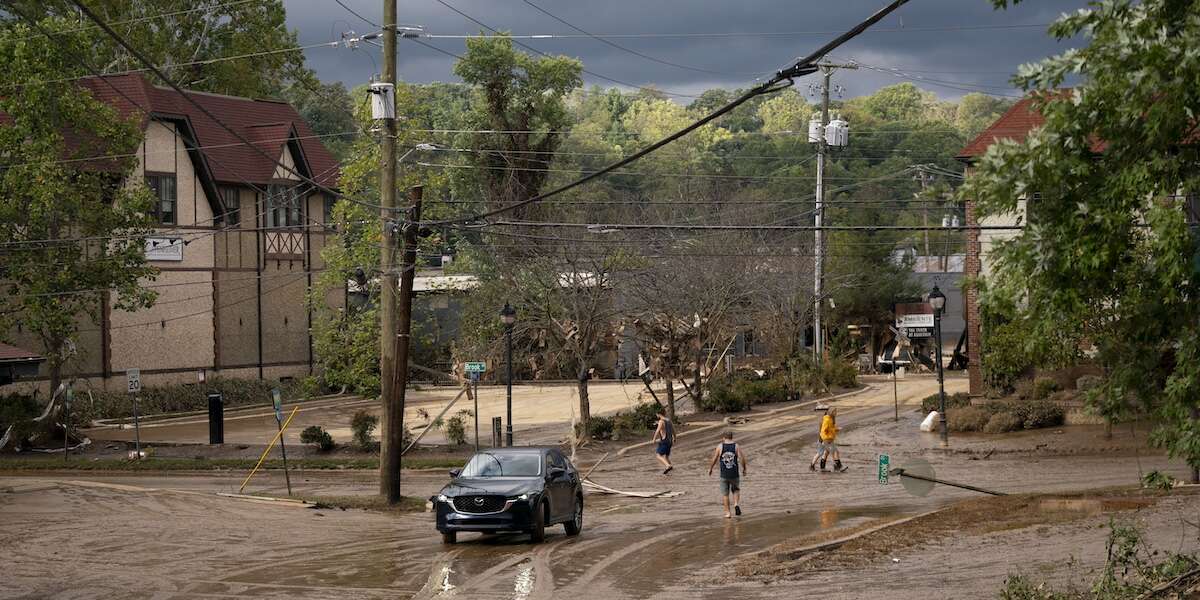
(511, 489)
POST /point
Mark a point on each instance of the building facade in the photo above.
(237, 242)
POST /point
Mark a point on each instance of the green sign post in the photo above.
(884, 463)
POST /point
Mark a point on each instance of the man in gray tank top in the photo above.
(730, 457)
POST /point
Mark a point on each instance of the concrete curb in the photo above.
(768, 413)
(118, 421)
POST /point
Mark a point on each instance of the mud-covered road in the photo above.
(77, 535)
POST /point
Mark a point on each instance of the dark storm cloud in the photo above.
(956, 46)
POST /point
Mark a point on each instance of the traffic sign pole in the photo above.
(475, 382)
(133, 382)
(278, 404)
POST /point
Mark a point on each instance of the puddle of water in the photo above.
(1091, 506)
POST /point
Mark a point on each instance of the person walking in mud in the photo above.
(827, 443)
(730, 456)
(664, 436)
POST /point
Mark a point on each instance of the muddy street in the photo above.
(168, 535)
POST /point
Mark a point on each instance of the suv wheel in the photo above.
(537, 534)
(449, 537)
(575, 525)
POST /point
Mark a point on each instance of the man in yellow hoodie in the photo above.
(827, 445)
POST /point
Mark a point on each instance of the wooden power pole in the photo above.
(390, 436)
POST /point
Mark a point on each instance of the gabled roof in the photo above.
(269, 125)
(1014, 125)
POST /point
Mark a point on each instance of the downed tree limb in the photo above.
(1178, 584)
(466, 390)
(607, 490)
(593, 468)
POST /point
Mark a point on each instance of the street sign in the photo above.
(643, 368)
(917, 332)
(277, 401)
(475, 367)
(133, 378)
(473, 375)
(884, 463)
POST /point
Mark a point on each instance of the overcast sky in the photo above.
(962, 44)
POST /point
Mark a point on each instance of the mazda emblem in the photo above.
(478, 500)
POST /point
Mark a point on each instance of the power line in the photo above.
(184, 94)
(801, 67)
(729, 34)
(635, 52)
(539, 52)
(667, 226)
(149, 18)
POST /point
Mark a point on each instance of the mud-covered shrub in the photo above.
(362, 425)
(967, 418)
(764, 391)
(1043, 387)
(1088, 382)
(645, 415)
(1036, 414)
(933, 402)
(724, 397)
(19, 411)
(317, 436)
(456, 427)
(1003, 422)
(184, 397)
(840, 374)
(600, 428)
(1023, 389)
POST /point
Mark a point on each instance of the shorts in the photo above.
(729, 486)
(664, 448)
(826, 448)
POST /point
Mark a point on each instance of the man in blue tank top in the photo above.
(730, 457)
(664, 437)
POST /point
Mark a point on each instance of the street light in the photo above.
(938, 301)
(508, 316)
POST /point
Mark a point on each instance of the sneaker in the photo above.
(737, 510)
(812, 468)
(668, 469)
(840, 468)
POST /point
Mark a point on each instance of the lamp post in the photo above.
(938, 301)
(508, 316)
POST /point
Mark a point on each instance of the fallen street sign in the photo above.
(475, 367)
(914, 315)
(133, 378)
(884, 463)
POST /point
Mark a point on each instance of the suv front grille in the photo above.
(479, 504)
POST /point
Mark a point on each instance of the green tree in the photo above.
(1107, 247)
(520, 97)
(72, 226)
(188, 39)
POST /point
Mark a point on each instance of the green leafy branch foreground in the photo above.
(1133, 570)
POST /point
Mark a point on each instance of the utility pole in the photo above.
(827, 69)
(390, 437)
(408, 271)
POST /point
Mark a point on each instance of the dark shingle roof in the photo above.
(10, 354)
(1014, 125)
(267, 124)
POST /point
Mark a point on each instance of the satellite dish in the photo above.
(917, 487)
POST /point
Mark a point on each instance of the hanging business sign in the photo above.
(166, 249)
(914, 314)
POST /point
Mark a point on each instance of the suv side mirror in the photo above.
(557, 472)
(455, 472)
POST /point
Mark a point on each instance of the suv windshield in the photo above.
(487, 464)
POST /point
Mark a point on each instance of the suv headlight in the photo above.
(443, 498)
(521, 497)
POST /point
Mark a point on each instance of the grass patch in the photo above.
(374, 503)
(213, 464)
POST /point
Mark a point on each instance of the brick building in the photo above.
(237, 242)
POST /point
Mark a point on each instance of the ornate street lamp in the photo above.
(938, 301)
(508, 316)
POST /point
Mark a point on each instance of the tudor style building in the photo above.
(237, 244)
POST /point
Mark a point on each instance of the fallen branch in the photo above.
(593, 468)
(466, 390)
(607, 490)
(1182, 581)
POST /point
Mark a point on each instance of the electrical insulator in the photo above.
(383, 100)
(837, 133)
(814, 129)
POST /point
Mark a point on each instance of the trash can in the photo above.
(216, 419)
